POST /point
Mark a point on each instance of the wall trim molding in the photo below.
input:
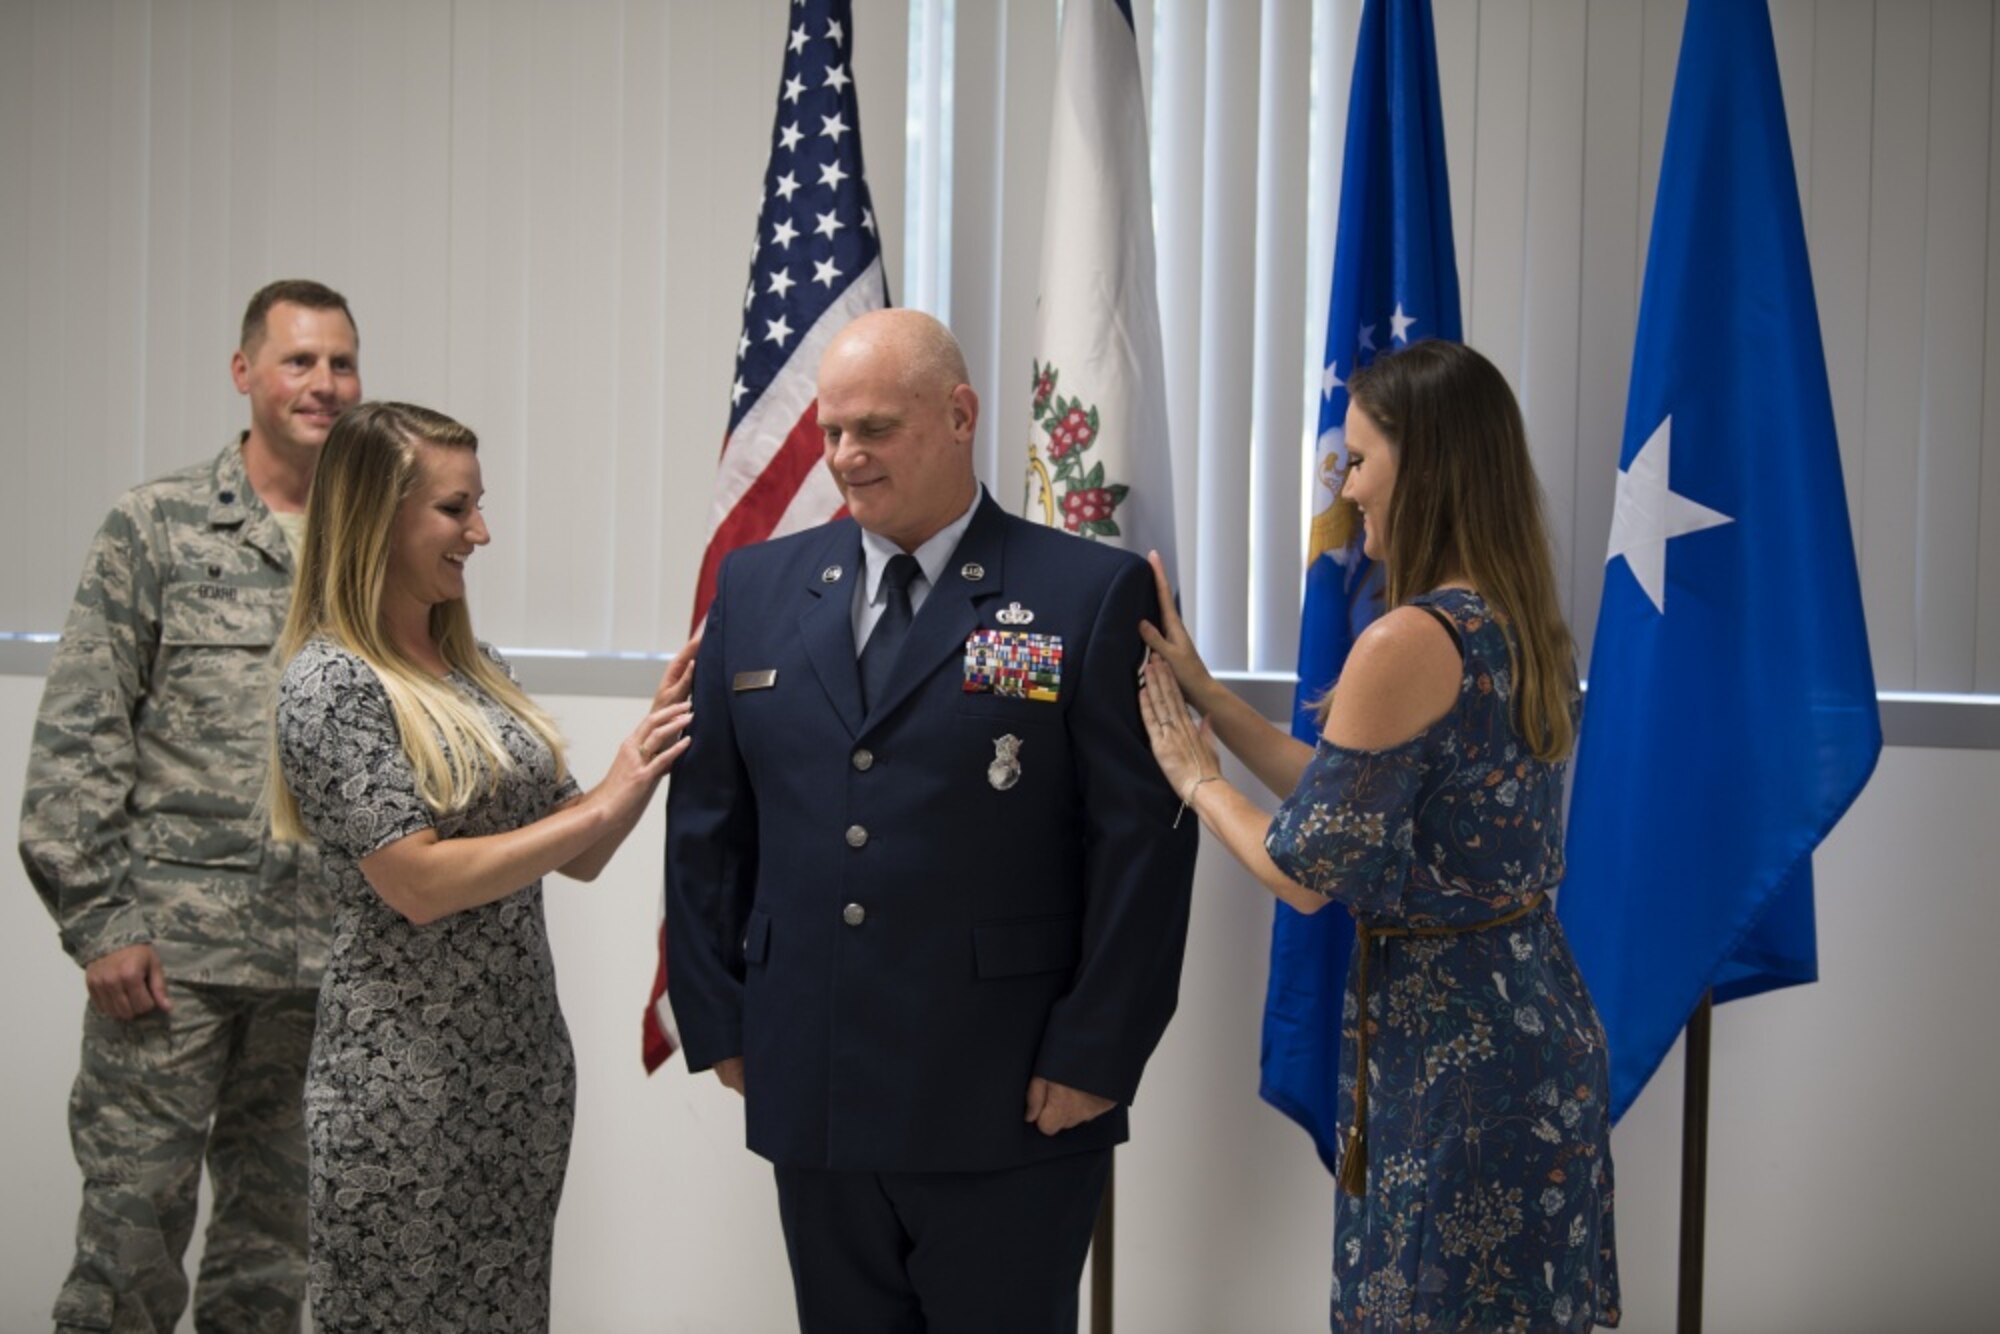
(1923, 721)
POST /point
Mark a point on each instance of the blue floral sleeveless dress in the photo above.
(1487, 1203)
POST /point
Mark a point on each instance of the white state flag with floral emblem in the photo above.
(1098, 463)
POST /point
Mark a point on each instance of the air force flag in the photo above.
(1395, 281)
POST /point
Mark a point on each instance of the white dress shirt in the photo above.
(870, 596)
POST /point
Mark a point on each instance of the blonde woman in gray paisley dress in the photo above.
(441, 1088)
(1475, 1178)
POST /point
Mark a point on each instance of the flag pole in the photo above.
(1101, 1238)
(1694, 1167)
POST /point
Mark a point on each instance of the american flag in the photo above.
(816, 264)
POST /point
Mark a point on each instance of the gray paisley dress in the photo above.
(1488, 1196)
(441, 1089)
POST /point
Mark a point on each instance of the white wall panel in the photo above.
(17, 334)
(649, 594)
(881, 70)
(61, 222)
(1659, 59)
(1898, 195)
(1551, 277)
(1792, 25)
(570, 290)
(1178, 92)
(1279, 306)
(122, 30)
(1457, 28)
(187, 322)
(1611, 254)
(1498, 166)
(713, 169)
(1029, 73)
(1986, 600)
(1221, 573)
(1837, 218)
(484, 199)
(524, 201)
(1953, 348)
(980, 131)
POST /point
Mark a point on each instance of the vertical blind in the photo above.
(1555, 116)
(542, 211)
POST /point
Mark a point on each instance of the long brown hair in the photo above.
(1466, 505)
(367, 468)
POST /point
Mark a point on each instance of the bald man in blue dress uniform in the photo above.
(927, 895)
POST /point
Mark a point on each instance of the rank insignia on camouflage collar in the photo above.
(1013, 663)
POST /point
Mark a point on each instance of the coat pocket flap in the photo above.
(1026, 945)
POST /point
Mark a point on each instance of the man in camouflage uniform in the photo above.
(201, 940)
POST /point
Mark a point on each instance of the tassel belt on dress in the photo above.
(1354, 1157)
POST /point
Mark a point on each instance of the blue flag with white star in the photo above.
(1395, 281)
(1731, 714)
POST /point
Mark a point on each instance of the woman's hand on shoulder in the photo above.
(1402, 675)
(644, 758)
(1171, 642)
(677, 682)
(619, 801)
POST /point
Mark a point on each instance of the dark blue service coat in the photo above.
(892, 940)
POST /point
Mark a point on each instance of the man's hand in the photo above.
(1055, 1107)
(127, 983)
(730, 1072)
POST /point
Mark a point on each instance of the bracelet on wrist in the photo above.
(1187, 798)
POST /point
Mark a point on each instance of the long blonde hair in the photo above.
(367, 468)
(1466, 505)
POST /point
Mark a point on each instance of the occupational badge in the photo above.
(1014, 663)
(1014, 614)
(1005, 771)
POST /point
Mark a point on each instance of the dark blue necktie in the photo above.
(879, 654)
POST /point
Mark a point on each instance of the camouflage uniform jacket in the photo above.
(141, 819)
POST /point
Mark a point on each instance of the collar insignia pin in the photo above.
(972, 571)
(830, 575)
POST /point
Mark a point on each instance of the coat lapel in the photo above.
(826, 626)
(951, 612)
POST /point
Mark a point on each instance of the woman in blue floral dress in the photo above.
(1475, 1181)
